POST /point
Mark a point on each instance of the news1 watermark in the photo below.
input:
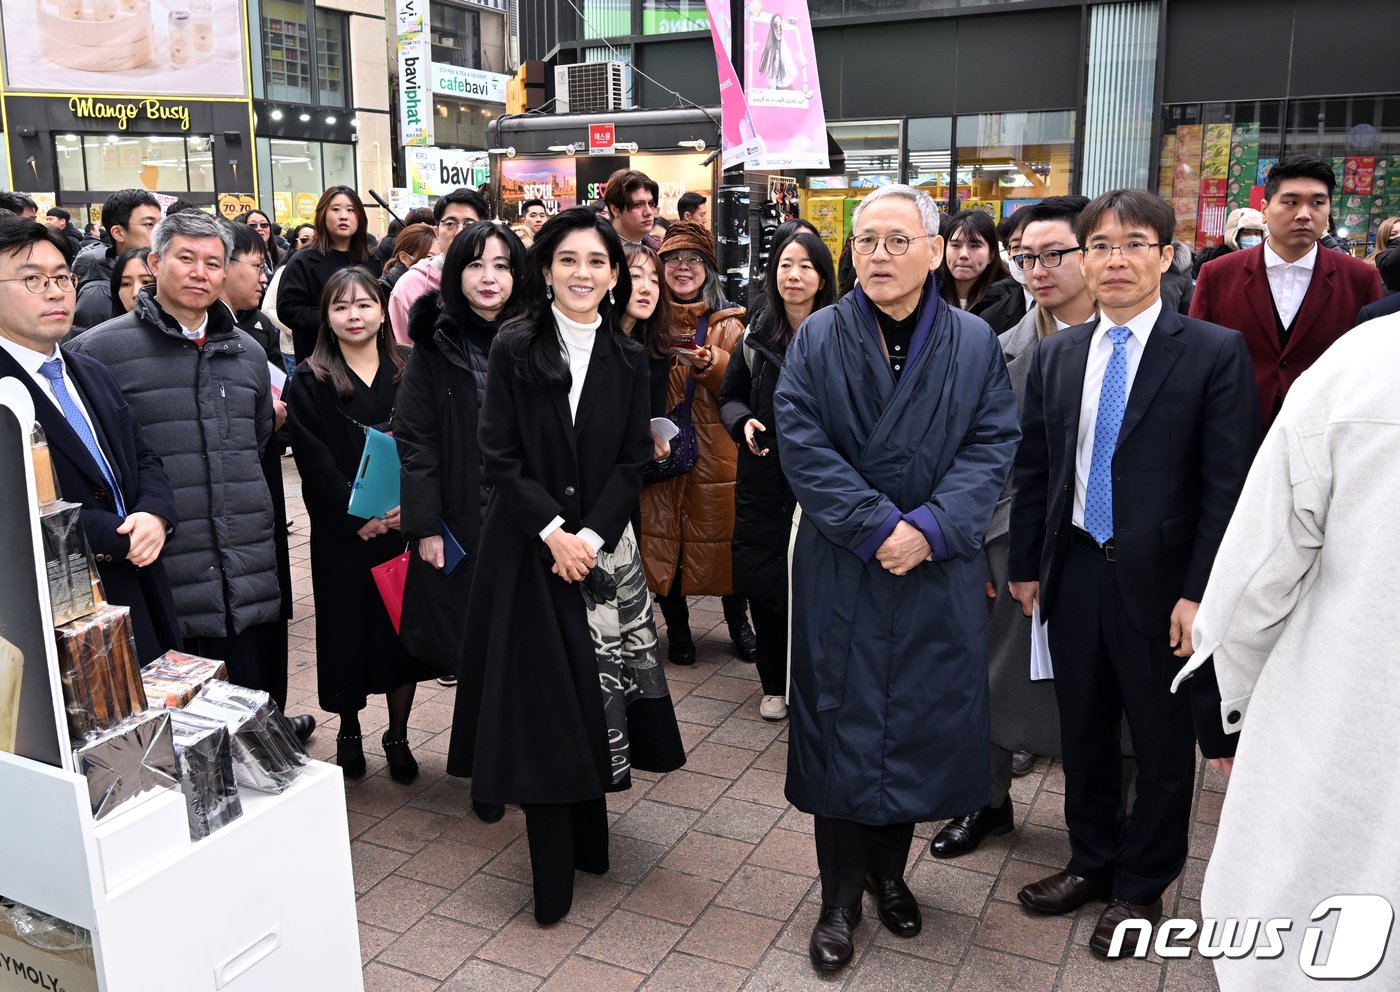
(1359, 938)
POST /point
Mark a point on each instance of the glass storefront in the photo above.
(462, 124)
(1006, 161)
(167, 163)
(1001, 162)
(295, 173)
(1215, 157)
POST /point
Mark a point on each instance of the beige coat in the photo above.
(1304, 624)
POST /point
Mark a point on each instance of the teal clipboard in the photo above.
(375, 488)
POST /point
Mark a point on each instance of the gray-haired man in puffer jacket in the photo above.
(201, 389)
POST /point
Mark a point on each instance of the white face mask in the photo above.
(1251, 241)
(1013, 268)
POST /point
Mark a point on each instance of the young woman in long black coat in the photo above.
(349, 383)
(563, 693)
(800, 281)
(435, 425)
(341, 240)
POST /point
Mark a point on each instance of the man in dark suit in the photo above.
(1289, 298)
(99, 453)
(1137, 433)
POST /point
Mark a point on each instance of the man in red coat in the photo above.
(1289, 297)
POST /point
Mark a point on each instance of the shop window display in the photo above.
(1006, 161)
(168, 163)
(299, 171)
(1214, 158)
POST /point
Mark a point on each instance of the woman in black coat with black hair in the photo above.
(800, 281)
(564, 692)
(347, 384)
(341, 239)
(435, 425)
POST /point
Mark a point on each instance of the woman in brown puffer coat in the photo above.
(688, 520)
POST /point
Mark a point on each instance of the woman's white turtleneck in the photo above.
(576, 341)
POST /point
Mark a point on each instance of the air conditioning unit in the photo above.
(589, 87)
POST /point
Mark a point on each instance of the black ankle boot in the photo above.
(403, 767)
(680, 646)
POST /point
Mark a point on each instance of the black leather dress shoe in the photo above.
(1022, 763)
(899, 910)
(1118, 911)
(833, 938)
(488, 812)
(744, 641)
(680, 647)
(1062, 893)
(961, 836)
(303, 726)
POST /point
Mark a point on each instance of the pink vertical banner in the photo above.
(780, 76)
(737, 130)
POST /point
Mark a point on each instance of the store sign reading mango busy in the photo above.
(124, 112)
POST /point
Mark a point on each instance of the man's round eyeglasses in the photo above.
(1133, 250)
(895, 244)
(1048, 259)
(36, 283)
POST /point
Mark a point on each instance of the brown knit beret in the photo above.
(686, 234)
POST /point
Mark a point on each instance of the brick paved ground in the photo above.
(713, 882)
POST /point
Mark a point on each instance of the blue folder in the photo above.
(453, 554)
(375, 489)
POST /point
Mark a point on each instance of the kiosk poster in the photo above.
(550, 179)
(157, 48)
(30, 707)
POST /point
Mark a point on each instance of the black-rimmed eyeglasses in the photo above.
(1049, 258)
(895, 244)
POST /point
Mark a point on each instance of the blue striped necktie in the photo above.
(1113, 399)
(53, 371)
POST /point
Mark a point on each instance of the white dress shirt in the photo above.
(1100, 351)
(30, 360)
(1288, 281)
(576, 342)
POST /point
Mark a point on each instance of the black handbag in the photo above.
(684, 450)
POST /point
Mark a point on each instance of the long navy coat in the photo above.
(889, 708)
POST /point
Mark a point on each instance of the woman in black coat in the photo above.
(435, 425)
(348, 384)
(564, 692)
(647, 320)
(341, 240)
(801, 281)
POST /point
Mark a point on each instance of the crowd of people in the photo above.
(897, 470)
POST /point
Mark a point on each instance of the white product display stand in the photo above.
(266, 904)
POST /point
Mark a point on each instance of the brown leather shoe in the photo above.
(1116, 913)
(1062, 893)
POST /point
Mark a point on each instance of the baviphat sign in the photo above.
(438, 171)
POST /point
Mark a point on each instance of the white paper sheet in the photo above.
(279, 379)
(664, 428)
(1041, 668)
